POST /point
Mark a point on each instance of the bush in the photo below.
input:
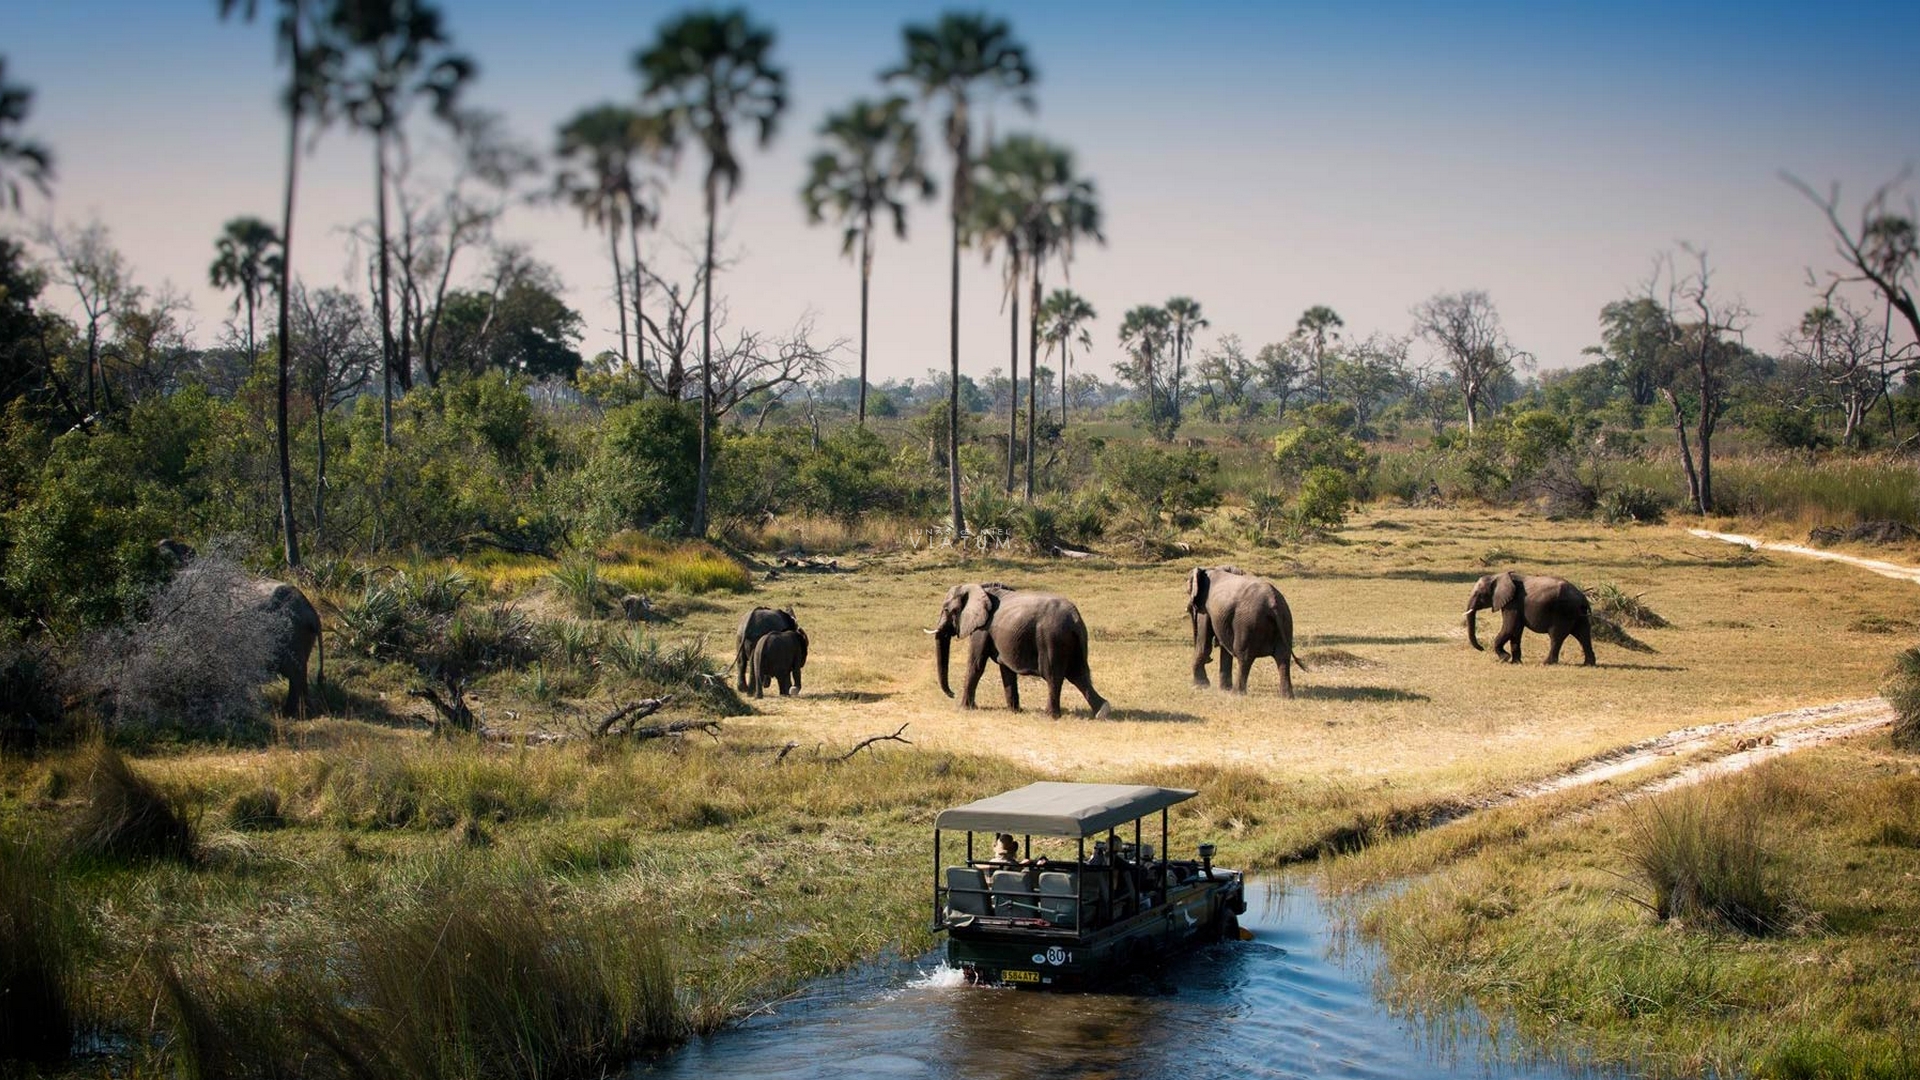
(1179, 483)
(578, 579)
(36, 959)
(642, 473)
(1325, 494)
(1902, 691)
(30, 708)
(1788, 428)
(1624, 607)
(1702, 859)
(194, 666)
(1631, 502)
(1315, 444)
(126, 816)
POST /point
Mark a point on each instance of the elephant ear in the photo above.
(1507, 591)
(1197, 585)
(978, 612)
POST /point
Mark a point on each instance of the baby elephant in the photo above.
(1545, 605)
(778, 657)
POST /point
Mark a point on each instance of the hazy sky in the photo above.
(1256, 157)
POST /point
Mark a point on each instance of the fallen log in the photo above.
(871, 739)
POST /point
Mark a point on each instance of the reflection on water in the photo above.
(1294, 1002)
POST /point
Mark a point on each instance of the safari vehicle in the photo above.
(1074, 922)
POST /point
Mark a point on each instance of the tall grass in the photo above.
(126, 816)
(1902, 691)
(36, 959)
(1794, 490)
(1701, 857)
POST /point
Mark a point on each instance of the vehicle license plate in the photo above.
(1020, 976)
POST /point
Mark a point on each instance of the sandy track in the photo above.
(1893, 570)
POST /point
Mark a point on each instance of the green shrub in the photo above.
(1623, 607)
(1325, 495)
(578, 579)
(1299, 450)
(1700, 856)
(1179, 483)
(641, 475)
(1631, 502)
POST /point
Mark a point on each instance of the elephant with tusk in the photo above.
(1025, 633)
(1546, 605)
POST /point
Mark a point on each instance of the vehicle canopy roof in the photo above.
(1053, 808)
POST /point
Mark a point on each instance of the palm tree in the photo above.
(655, 144)
(595, 149)
(997, 221)
(1063, 322)
(712, 70)
(18, 154)
(311, 65)
(389, 53)
(952, 60)
(1143, 333)
(247, 258)
(1319, 324)
(1183, 315)
(871, 165)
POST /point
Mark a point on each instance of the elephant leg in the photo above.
(1507, 645)
(1285, 662)
(1202, 648)
(796, 680)
(1226, 668)
(295, 704)
(1083, 682)
(786, 684)
(1555, 637)
(1583, 633)
(976, 667)
(1054, 683)
(1240, 676)
(1010, 685)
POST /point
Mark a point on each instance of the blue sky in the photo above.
(1258, 157)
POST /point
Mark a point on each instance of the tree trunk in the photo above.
(1013, 370)
(866, 279)
(93, 363)
(639, 290)
(706, 363)
(1686, 452)
(320, 468)
(953, 359)
(291, 547)
(1033, 366)
(386, 299)
(619, 289)
(1066, 365)
(253, 351)
(1706, 460)
(1173, 399)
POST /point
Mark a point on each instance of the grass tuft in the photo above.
(127, 817)
(1902, 691)
(36, 959)
(1703, 862)
(1625, 608)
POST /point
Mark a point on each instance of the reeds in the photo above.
(1902, 691)
(36, 959)
(1700, 856)
(125, 816)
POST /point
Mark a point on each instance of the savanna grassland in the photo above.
(658, 888)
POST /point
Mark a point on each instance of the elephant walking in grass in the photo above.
(755, 625)
(297, 627)
(1248, 616)
(1546, 605)
(778, 657)
(1025, 633)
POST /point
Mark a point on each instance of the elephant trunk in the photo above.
(942, 654)
(1472, 637)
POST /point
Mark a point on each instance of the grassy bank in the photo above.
(670, 886)
(1759, 925)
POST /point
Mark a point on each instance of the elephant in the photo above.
(778, 657)
(299, 641)
(1546, 605)
(753, 625)
(1026, 633)
(1248, 616)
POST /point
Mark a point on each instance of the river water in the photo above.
(1296, 1001)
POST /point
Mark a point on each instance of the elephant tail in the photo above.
(1297, 662)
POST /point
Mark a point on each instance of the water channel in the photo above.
(1296, 1001)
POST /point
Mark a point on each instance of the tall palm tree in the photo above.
(19, 154)
(952, 60)
(655, 142)
(311, 66)
(391, 52)
(997, 221)
(1318, 325)
(712, 70)
(1183, 317)
(596, 151)
(1143, 333)
(1063, 323)
(871, 165)
(247, 258)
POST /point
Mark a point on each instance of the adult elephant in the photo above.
(1025, 633)
(755, 625)
(298, 626)
(1248, 616)
(1545, 605)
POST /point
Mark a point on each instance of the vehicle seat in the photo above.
(1013, 895)
(1057, 899)
(966, 891)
